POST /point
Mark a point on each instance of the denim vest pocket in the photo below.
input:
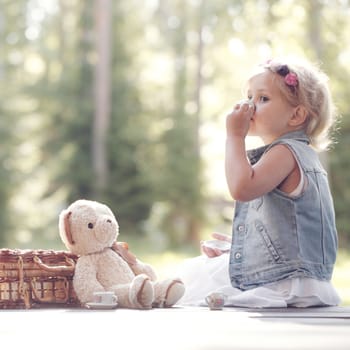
(260, 228)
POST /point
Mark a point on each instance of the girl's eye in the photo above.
(263, 99)
(90, 225)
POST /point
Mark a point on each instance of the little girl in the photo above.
(284, 239)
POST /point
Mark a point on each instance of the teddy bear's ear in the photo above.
(67, 230)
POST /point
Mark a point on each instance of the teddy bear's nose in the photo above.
(109, 221)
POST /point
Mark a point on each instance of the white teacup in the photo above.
(250, 103)
(215, 300)
(105, 298)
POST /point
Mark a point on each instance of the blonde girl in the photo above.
(284, 240)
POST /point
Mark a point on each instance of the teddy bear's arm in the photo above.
(135, 264)
(122, 249)
(139, 267)
(85, 279)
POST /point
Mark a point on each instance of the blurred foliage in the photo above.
(177, 67)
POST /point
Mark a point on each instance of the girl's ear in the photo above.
(299, 116)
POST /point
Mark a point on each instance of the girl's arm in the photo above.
(245, 181)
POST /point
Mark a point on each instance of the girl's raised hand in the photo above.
(238, 121)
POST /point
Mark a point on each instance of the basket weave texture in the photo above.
(36, 278)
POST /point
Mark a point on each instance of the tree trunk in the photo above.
(102, 92)
(194, 225)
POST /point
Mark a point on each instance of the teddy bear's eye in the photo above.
(90, 225)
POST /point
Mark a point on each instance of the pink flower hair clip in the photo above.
(290, 78)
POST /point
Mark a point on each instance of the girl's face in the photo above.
(273, 112)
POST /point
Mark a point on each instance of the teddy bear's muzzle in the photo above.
(106, 230)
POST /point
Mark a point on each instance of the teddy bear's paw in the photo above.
(141, 292)
(168, 292)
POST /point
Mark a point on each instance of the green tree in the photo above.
(129, 188)
(175, 68)
(180, 182)
(69, 104)
(12, 50)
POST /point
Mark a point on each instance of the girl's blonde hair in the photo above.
(310, 89)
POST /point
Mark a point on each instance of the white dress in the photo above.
(203, 275)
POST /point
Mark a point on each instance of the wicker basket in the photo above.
(36, 278)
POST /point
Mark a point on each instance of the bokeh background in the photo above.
(124, 102)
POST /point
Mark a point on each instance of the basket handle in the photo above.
(22, 288)
(69, 268)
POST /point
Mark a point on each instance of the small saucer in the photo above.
(224, 246)
(100, 306)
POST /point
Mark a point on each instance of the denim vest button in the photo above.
(238, 256)
(240, 228)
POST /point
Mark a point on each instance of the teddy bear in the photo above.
(89, 230)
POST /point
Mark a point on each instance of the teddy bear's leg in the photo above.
(138, 294)
(168, 292)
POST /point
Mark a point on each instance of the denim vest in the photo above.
(277, 236)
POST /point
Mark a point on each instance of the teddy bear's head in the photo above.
(87, 227)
